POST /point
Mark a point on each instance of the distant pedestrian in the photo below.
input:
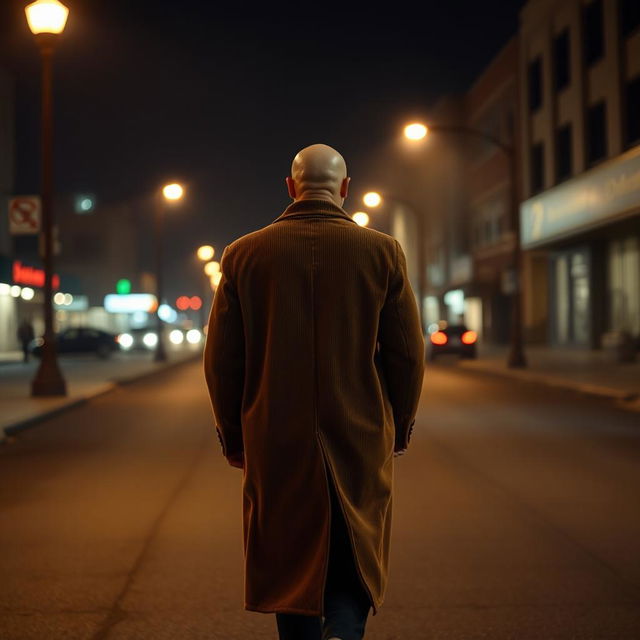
(25, 335)
(314, 361)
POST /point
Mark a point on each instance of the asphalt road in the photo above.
(516, 515)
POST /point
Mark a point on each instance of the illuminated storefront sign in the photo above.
(24, 274)
(599, 195)
(129, 303)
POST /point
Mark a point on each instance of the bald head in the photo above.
(318, 172)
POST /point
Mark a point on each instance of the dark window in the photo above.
(537, 167)
(561, 59)
(629, 16)
(633, 112)
(596, 133)
(593, 32)
(535, 84)
(563, 153)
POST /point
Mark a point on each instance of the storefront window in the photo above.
(624, 285)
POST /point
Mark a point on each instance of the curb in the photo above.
(112, 385)
(600, 391)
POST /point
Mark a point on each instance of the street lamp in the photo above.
(374, 199)
(171, 194)
(516, 357)
(205, 253)
(47, 19)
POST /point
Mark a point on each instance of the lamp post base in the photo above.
(48, 380)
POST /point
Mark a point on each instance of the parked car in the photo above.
(453, 339)
(80, 340)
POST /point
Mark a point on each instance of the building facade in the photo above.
(580, 220)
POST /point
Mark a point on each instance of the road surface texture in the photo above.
(516, 515)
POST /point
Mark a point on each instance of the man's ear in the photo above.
(291, 187)
(344, 187)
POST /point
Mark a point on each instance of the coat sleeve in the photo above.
(224, 360)
(401, 350)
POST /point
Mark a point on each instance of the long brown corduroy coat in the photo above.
(314, 361)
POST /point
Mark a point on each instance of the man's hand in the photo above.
(236, 460)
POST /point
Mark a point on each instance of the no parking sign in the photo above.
(24, 215)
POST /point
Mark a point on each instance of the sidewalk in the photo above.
(591, 372)
(86, 377)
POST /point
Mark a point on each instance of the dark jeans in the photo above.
(346, 602)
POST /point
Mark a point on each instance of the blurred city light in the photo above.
(173, 191)
(125, 340)
(372, 199)
(84, 204)
(194, 336)
(361, 218)
(195, 302)
(150, 339)
(206, 252)
(211, 268)
(176, 336)
(58, 298)
(68, 299)
(123, 286)
(439, 338)
(215, 279)
(27, 293)
(469, 337)
(46, 16)
(167, 313)
(183, 303)
(5, 289)
(116, 303)
(15, 290)
(415, 131)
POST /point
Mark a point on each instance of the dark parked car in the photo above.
(453, 339)
(81, 340)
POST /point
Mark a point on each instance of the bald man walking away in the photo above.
(314, 363)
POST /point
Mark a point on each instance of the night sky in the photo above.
(221, 96)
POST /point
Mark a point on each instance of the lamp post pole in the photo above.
(49, 380)
(516, 357)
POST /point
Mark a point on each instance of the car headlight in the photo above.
(176, 336)
(194, 336)
(125, 340)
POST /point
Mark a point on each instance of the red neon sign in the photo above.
(23, 274)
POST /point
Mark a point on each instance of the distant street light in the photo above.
(205, 252)
(361, 218)
(47, 19)
(372, 199)
(171, 193)
(375, 197)
(516, 357)
(211, 268)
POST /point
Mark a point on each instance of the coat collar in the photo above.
(314, 208)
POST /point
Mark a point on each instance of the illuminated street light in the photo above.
(46, 16)
(206, 252)
(415, 131)
(372, 199)
(173, 191)
(47, 19)
(361, 218)
(211, 268)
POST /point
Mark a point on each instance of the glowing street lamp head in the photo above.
(205, 253)
(46, 16)
(372, 199)
(415, 131)
(361, 218)
(173, 191)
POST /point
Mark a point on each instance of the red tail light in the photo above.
(469, 337)
(439, 338)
